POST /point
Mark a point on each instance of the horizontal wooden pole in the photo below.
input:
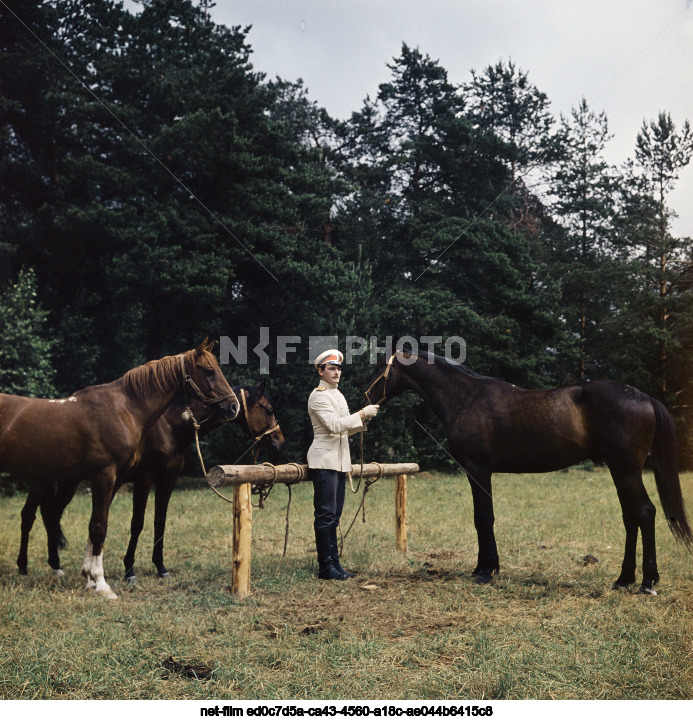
(219, 476)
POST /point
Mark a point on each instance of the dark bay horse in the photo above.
(163, 458)
(95, 434)
(493, 426)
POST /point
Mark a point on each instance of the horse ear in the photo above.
(210, 346)
(260, 387)
(397, 343)
(202, 347)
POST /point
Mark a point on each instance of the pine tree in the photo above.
(660, 154)
(503, 100)
(583, 187)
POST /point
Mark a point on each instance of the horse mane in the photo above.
(157, 376)
(446, 364)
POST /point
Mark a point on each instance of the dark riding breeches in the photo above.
(328, 497)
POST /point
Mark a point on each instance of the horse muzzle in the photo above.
(229, 409)
(275, 441)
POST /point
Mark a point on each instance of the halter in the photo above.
(188, 381)
(384, 375)
(274, 427)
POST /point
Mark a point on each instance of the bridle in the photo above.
(274, 427)
(385, 374)
(188, 381)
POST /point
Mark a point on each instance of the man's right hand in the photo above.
(370, 411)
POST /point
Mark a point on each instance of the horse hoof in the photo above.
(108, 594)
(619, 587)
(22, 572)
(131, 579)
(58, 572)
(103, 589)
(164, 574)
(647, 591)
(483, 579)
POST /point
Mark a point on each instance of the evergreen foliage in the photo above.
(26, 349)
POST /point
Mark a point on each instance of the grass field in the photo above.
(549, 627)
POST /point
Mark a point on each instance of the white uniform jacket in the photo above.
(332, 424)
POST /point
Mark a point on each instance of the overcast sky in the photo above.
(629, 58)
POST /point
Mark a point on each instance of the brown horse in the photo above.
(163, 458)
(95, 434)
(493, 426)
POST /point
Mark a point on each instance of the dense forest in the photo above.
(156, 189)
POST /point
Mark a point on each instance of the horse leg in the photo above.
(92, 566)
(86, 566)
(650, 574)
(487, 562)
(140, 493)
(630, 523)
(28, 516)
(52, 512)
(627, 576)
(638, 513)
(162, 496)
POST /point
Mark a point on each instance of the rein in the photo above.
(368, 483)
(384, 375)
(188, 414)
(262, 491)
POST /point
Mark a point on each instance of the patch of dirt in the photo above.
(446, 554)
(195, 670)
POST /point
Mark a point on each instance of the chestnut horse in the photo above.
(163, 458)
(493, 426)
(95, 435)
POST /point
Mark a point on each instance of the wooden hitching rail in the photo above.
(242, 478)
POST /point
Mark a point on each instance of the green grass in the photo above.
(548, 627)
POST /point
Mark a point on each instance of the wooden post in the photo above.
(242, 526)
(401, 512)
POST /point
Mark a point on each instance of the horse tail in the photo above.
(665, 465)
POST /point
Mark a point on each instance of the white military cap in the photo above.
(329, 356)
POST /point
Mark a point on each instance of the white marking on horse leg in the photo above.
(86, 566)
(97, 574)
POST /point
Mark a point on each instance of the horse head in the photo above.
(386, 381)
(257, 418)
(204, 381)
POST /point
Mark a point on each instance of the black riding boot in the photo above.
(334, 548)
(326, 568)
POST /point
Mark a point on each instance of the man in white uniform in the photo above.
(329, 459)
